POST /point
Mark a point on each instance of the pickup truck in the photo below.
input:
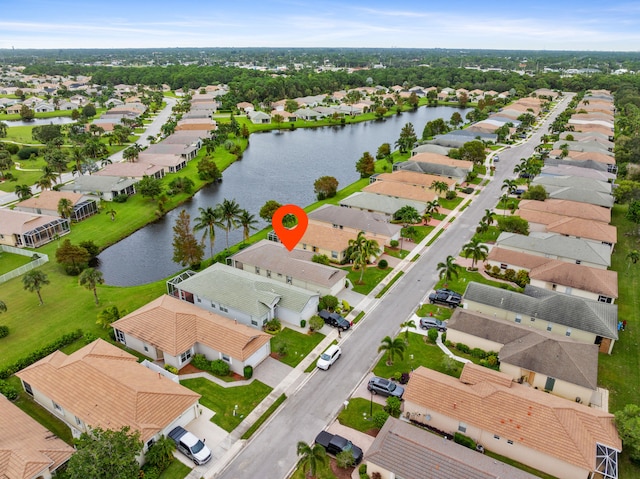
(446, 297)
(335, 320)
(335, 444)
(190, 446)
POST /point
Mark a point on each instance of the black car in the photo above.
(335, 444)
(384, 387)
(446, 298)
(433, 323)
(335, 320)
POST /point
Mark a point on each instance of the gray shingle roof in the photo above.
(574, 182)
(245, 291)
(360, 220)
(382, 203)
(557, 246)
(581, 195)
(431, 168)
(571, 311)
(90, 183)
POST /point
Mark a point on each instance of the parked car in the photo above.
(431, 323)
(496, 159)
(446, 298)
(330, 356)
(335, 320)
(384, 387)
(190, 446)
(519, 192)
(335, 444)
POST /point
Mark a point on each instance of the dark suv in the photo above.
(384, 387)
(446, 297)
(431, 323)
(335, 320)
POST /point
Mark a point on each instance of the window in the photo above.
(315, 250)
(199, 300)
(268, 274)
(462, 427)
(213, 305)
(518, 318)
(304, 246)
(503, 266)
(495, 436)
(27, 388)
(57, 407)
(554, 286)
(568, 333)
(605, 299)
(120, 337)
(225, 357)
(578, 261)
(254, 322)
(186, 356)
(532, 319)
(222, 308)
(257, 270)
(289, 280)
(150, 443)
(549, 326)
(335, 225)
(279, 275)
(510, 442)
(146, 348)
(78, 421)
(334, 254)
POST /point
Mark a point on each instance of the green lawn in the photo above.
(396, 252)
(440, 312)
(372, 276)
(460, 283)
(297, 345)
(450, 204)
(223, 400)
(357, 415)
(10, 261)
(322, 472)
(421, 232)
(176, 470)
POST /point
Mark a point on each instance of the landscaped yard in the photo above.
(176, 470)
(460, 283)
(223, 400)
(357, 415)
(296, 346)
(450, 204)
(372, 276)
(10, 261)
(419, 233)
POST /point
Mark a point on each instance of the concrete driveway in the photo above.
(360, 439)
(203, 428)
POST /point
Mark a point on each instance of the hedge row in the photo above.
(38, 354)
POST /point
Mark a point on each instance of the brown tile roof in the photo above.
(26, 447)
(48, 200)
(411, 452)
(568, 208)
(441, 160)
(523, 260)
(414, 178)
(174, 326)
(551, 425)
(329, 238)
(593, 128)
(584, 229)
(578, 276)
(18, 222)
(474, 374)
(401, 190)
(587, 155)
(105, 387)
(129, 170)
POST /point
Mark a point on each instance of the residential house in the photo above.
(46, 203)
(245, 106)
(374, 225)
(554, 246)
(559, 365)
(308, 114)
(581, 195)
(206, 124)
(44, 107)
(430, 148)
(132, 170)
(435, 159)
(104, 187)
(259, 117)
(243, 296)
(402, 450)
(172, 331)
(14, 109)
(295, 267)
(559, 437)
(27, 449)
(383, 204)
(585, 320)
(571, 170)
(583, 163)
(30, 230)
(414, 179)
(556, 275)
(574, 182)
(103, 386)
(394, 189)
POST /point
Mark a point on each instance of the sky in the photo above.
(511, 25)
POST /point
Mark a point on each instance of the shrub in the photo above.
(11, 148)
(404, 378)
(303, 323)
(200, 361)
(8, 391)
(383, 264)
(393, 406)
(451, 195)
(478, 353)
(510, 275)
(464, 440)
(362, 469)
(379, 418)
(171, 369)
(149, 472)
(273, 326)
(432, 334)
(26, 152)
(463, 348)
(316, 323)
(346, 307)
(4, 331)
(321, 258)
(220, 367)
(495, 270)
(248, 372)
(492, 360)
(120, 198)
(330, 302)
(522, 278)
(444, 339)
(279, 346)
(345, 459)
(394, 243)
(468, 190)
(89, 338)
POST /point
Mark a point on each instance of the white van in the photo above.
(329, 357)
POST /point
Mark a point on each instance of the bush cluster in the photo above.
(38, 354)
(520, 277)
(273, 326)
(4, 331)
(171, 369)
(248, 372)
(220, 367)
(8, 391)
(383, 264)
(464, 440)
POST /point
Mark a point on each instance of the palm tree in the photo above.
(633, 257)
(503, 199)
(439, 186)
(111, 212)
(448, 269)
(393, 347)
(311, 457)
(209, 218)
(432, 206)
(23, 192)
(229, 212)
(407, 324)
(489, 217)
(247, 221)
(360, 251)
(509, 185)
(477, 250)
(3, 306)
(65, 207)
(90, 278)
(33, 281)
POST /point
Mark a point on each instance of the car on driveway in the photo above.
(330, 356)
(335, 444)
(190, 445)
(335, 320)
(433, 323)
(384, 387)
(445, 297)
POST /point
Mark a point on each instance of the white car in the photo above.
(329, 357)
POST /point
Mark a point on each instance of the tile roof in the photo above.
(174, 326)
(568, 208)
(17, 222)
(475, 374)
(409, 452)
(129, 170)
(296, 263)
(29, 448)
(566, 225)
(586, 155)
(572, 311)
(441, 160)
(432, 168)
(48, 200)
(401, 190)
(105, 387)
(245, 291)
(532, 349)
(329, 238)
(374, 223)
(552, 425)
(382, 203)
(551, 244)
(430, 148)
(414, 178)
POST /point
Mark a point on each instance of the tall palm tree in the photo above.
(489, 217)
(476, 250)
(209, 218)
(229, 213)
(111, 212)
(360, 250)
(23, 192)
(33, 281)
(311, 457)
(439, 186)
(247, 222)
(633, 257)
(65, 207)
(90, 278)
(406, 325)
(448, 269)
(393, 347)
(510, 185)
(432, 207)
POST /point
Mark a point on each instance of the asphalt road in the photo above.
(272, 452)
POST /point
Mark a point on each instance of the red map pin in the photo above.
(290, 237)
